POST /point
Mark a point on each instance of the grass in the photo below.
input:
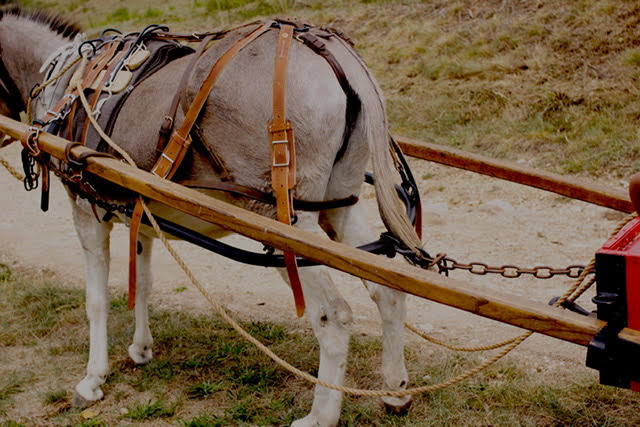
(148, 411)
(204, 374)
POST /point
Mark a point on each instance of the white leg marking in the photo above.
(94, 238)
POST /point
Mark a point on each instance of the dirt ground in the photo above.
(468, 216)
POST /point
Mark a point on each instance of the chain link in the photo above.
(446, 264)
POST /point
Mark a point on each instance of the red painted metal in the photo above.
(626, 243)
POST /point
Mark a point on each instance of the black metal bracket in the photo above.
(615, 358)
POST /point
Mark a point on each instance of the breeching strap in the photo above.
(283, 168)
(178, 145)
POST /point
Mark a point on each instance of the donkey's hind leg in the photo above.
(140, 351)
(350, 228)
(330, 318)
(94, 239)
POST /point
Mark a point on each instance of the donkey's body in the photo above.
(234, 123)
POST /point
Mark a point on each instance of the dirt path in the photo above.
(471, 217)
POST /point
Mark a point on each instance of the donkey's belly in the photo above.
(195, 224)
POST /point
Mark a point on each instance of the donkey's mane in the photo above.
(55, 22)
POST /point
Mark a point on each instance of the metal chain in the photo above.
(446, 264)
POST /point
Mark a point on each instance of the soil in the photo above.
(468, 216)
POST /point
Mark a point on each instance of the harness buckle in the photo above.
(55, 116)
(287, 162)
(171, 162)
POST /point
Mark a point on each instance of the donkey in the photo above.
(234, 124)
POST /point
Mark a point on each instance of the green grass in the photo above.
(204, 374)
(148, 410)
(54, 396)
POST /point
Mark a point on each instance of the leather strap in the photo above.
(136, 218)
(634, 191)
(353, 100)
(167, 165)
(169, 118)
(112, 62)
(177, 147)
(283, 167)
(251, 193)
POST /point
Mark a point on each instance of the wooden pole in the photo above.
(503, 307)
(567, 186)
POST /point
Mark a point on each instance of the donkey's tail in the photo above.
(374, 122)
(392, 210)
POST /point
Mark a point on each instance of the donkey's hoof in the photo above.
(140, 354)
(397, 405)
(308, 421)
(87, 392)
(80, 402)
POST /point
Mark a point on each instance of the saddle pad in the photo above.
(159, 54)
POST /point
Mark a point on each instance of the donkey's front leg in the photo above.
(94, 238)
(140, 350)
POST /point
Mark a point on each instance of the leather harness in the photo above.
(173, 144)
(282, 143)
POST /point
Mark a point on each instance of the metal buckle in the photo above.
(171, 162)
(56, 115)
(169, 159)
(71, 97)
(288, 161)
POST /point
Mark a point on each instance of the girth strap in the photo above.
(178, 145)
(283, 167)
(260, 196)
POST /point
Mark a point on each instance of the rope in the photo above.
(304, 375)
(67, 67)
(97, 127)
(454, 348)
(44, 85)
(508, 345)
(17, 175)
(278, 360)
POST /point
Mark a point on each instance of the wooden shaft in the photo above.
(567, 186)
(514, 310)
